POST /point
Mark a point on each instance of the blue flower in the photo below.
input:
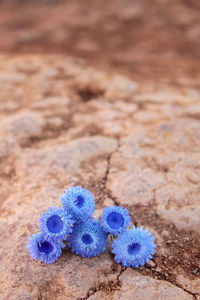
(45, 249)
(115, 219)
(79, 203)
(88, 239)
(134, 247)
(55, 223)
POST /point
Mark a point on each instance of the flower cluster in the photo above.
(73, 224)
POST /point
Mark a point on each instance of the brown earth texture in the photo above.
(122, 119)
(130, 143)
(147, 39)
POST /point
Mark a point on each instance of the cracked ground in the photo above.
(131, 143)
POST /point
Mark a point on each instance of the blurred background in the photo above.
(148, 39)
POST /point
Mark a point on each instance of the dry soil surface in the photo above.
(135, 144)
(157, 39)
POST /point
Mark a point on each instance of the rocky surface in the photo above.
(136, 144)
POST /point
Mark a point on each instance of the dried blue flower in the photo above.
(55, 223)
(88, 239)
(45, 249)
(115, 219)
(79, 203)
(134, 247)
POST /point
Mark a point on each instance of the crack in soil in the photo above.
(178, 285)
(107, 191)
(143, 215)
(177, 242)
(110, 286)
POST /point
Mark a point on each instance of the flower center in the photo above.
(79, 201)
(55, 224)
(115, 220)
(134, 248)
(45, 247)
(87, 239)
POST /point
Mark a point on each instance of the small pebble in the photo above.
(158, 269)
(151, 264)
(195, 271)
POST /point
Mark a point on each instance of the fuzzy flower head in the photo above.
(115, 219)
(88, 239)
(44, 249)
(79, 203)
(134, 247)
(56, 223)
